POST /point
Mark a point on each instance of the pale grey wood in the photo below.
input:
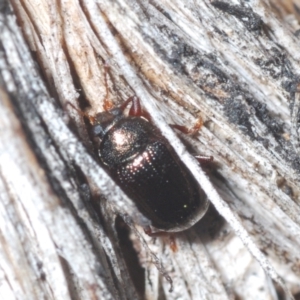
(234, 66)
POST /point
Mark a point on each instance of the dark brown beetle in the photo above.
(147, 169)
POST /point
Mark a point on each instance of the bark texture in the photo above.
(67, 231)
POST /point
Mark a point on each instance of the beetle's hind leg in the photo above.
(171, 237)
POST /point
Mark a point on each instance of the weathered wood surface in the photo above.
(234, 64)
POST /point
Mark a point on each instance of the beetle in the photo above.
(145, 166)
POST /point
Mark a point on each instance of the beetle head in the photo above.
(104, 121)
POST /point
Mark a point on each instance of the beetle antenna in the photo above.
(107, 104)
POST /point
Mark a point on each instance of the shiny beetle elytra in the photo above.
(147, 169)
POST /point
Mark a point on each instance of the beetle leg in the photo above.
(190, 131)
(135, 109)
(149, 232)
(202, 159)
(130, 99)
(173, 244)
(172, 239)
